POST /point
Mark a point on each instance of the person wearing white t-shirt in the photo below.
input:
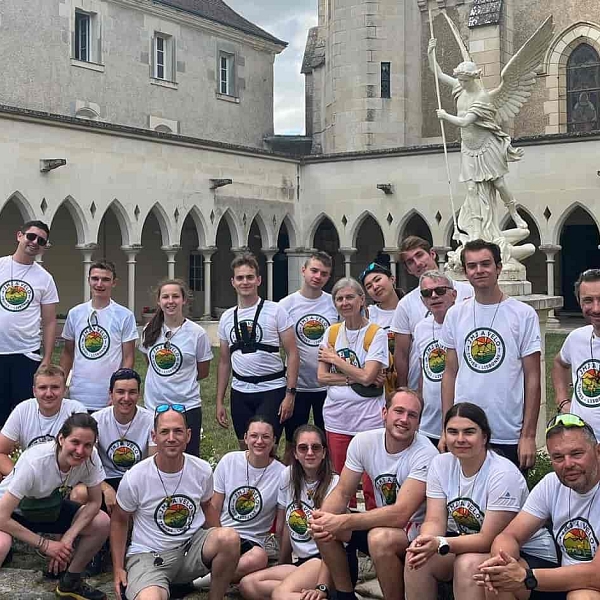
(178, 354)
(312, 311)
(472, 494)
(176, 535)
(28, 300)
(578, 361)
(303, 487)
(569, 499)
(418, 257)
(38, 419)
(493, 349)
(250, 335)
(396, 458)
(100, 337)
(438, 294)
(33, 501)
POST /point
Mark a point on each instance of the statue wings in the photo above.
(519, 75)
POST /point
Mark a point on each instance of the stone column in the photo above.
(296, 259)
(171, 252)
(86, 250)
(393, 252)
(441, 252)
(240, 250)
(131, 252)
(207, 255)
(269, 254)
(550, 250)
(347, 252)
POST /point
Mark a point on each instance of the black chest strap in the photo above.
(246, 340)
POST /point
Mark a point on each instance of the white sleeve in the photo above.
(209, 490)
(379, 350)
(23, 479)
(130, 332)
(77, 407)
(505, 490)
(400, 320)
(94, 474)
(434, 483)
(420, 463)
(539, 502)
(284, 482)
(354, 459)
(141, 346)
(284, 321)
(531, 339)
(219, 476)
(12, 428)
(221, 329)
(565, 351)
(203, 349)
(68, 333)
(447, 334)
(126, 496)
(50, 295)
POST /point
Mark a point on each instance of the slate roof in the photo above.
(314, 53)
(485, 12)
(218, 11)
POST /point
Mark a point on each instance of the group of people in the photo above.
(440, 457)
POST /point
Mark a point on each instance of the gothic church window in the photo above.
(583, 89)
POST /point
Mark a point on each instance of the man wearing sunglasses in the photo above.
(176, 535)
(28, 299)
(569, 499)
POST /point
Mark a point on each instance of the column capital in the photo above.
(132, 250)
(348, 251)
(394, 250)
(299, 252)
(441, 249)
(240, 250)
(87, 247)
(269, 253)
(207, 252)
(550, 249)
(171, 249)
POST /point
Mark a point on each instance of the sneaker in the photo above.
(202, 583)
(78, 590)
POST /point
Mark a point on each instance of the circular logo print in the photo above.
(434, 360)
(349, 356)
(484, 350)
(297, 520)
(94, 342)
(467, 515)
(15, 295)
(387, 486)
(246, 331)
(577, 538)
(174, 515)
(310, 329)
(124, 454)
(587, 386)
(165, 360)
(245, 503)
(41, 439)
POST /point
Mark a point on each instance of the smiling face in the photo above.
(480, 269)
(101, 282)
(402, 417)
(589, 300)
(171, 300)
(418, 261)
(49, 392)
(76, 448)
(31, 248)
(379, 286)
(464, 438)
(309, 451)
(438, 305)
(348, 302)
(315, 274)
(124, 397)
(171, 434)
(260, 439)
(245, 281)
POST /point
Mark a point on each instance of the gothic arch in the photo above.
(199, 222)
(163, 223)
(234, 228)
(125, 225)
(292, 230)
(265, 233)
(521, 208)
(410, 215)
(312, 230)
(78, 217)
(26, 210)
(560, 223)
(359, 223)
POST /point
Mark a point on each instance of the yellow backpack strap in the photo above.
(369, 335)
(333, 333)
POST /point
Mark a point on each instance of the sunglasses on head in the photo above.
(567, 420)
(375, 268)
(439, 291)
(163, 408)
(32, 237)
(304, 448)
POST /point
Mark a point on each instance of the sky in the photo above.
(288, 20)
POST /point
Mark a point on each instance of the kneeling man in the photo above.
(176, 535)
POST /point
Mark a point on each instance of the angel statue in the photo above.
(486, 149)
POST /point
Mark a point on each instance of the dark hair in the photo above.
(588, 276)
(476, 245)
(324, 474)
(474, 413)
(246, 259)
(322, 257)
(105, 265)
(261, 419)
(406, 390)
(412, 242)
(152, 331)
(76, 421)
(39, 224)
(124, 374)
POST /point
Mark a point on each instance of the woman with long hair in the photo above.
(34, 500)
(472, 495)
(179, 354)
(305, 483)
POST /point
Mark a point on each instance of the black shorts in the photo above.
(246, 545)
(539, 563)
(68, 510)
(302, 405)
(300, 561)
(245, 405)
(358, 542)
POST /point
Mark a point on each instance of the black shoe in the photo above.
(78, 590)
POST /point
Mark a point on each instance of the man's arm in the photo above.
(203, 369)
(7, 447)
(531, 409)
(67, 356)
(85, 515)
(223, 373)
(127, 354)
(288, 341)
(561, 378)
(402, 357)
(337, 501)
(49, 331)
(448, 389)
(119, 526)
(212, 516)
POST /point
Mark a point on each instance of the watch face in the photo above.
(530, 581)
(444, 549)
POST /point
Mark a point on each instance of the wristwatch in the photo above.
(443, 546)
(291, 391)
(323, 588)
(530, 580)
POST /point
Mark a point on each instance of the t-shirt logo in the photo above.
(349, 356)
(245, 328)
(245, 503)
(484, 350)
(297, 520)
(41, 439)
(124, 454)
(310, 329)
(175, 515)
(165, 360)
(15, 295)
(387, 486)
(434, 360)
(467, 515)
(587, 386)
(94, 342)
(577, 538)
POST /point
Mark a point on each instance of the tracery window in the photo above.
(583, 89)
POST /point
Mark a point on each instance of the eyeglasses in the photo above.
(304, 448)
(163, 408)
(374, 268)
(567, 420)
(439, 291)
(32, 237)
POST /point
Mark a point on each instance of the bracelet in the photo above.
(347, 380)
(560, 406)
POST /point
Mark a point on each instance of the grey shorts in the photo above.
(180, 565)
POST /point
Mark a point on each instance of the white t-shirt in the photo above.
(409, 312)
(498, 485)
(367, 454)
(432, 356)
(172, 375)
(575, 517)
(384, 319)
(582, 352)
(23, 290)
(27, 426)
(344, 410)
(490, 341)
(122, 446)
(311, 317)
(272, 321)
(98, 335)
(165, 520)
(36, 473)
(250, 500)
(296, 517)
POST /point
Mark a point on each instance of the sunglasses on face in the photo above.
(439, 291)
(304, 448)
(163, 408)
(32, 237)
(567, 420)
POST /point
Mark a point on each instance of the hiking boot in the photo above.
(74, 588)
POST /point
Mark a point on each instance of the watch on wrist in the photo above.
(530, 580)
(291, 391)
(443, 546)
(323, 588)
